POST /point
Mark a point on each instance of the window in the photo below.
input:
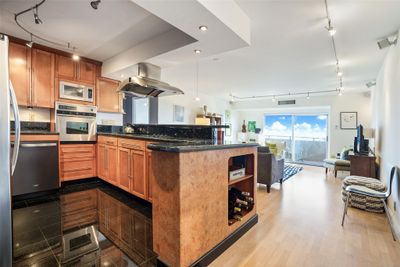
(298, 138)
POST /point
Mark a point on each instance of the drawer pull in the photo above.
(78, 169)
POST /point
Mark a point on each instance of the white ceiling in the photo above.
(114, 27)
(291, 50)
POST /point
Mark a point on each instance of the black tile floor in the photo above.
(83, 224)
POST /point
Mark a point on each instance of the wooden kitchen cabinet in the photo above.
(125, 163)
(86, 72)
(107, 159)
(138, 186)
(150, 176)
(101, 159)
(108, 100)
(43, 64)
(79, 71)
(20, 74)
(77, 161)
(124, 168)
(32, 75)
(112, 168)
(65, 67)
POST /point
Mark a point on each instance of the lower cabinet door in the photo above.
(138, 185)
(124, 168)
(101, 162)
(112, 164)
(150, 177)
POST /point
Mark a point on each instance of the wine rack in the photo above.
(240, 189)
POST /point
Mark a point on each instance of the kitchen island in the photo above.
(191, 224)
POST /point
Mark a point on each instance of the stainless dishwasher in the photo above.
(36, 169)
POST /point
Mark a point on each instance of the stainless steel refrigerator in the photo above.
(8, 158)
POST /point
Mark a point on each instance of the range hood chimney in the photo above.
(147, 83)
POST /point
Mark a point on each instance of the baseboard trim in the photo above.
(395, 224)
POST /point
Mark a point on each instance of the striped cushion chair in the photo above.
(364, 202)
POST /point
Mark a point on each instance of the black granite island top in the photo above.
(194, 146)
(157, 138)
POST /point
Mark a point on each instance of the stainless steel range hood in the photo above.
(147, 83)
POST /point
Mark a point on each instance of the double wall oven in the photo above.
(76, 123)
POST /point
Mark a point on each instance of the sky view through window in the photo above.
(305, 126)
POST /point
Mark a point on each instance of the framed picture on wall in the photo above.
(179, 113)
(348, 120)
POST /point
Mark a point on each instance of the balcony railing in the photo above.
(308, 150)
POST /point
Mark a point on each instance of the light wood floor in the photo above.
(299, 225)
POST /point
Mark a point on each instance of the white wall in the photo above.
(386, 121)
(106, 118)
(192, 107)
(34, 114)
(331, 104)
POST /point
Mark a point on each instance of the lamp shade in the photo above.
(369, 133)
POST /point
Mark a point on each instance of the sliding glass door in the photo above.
(298, 138)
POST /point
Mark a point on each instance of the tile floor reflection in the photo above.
(86, 224)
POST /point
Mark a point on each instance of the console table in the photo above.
(362, 165)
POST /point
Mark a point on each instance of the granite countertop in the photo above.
(150, 137)
(197, 146)
(37, 132)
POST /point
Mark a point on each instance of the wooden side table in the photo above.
(363, 165)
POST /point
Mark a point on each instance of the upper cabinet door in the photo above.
(86, 72)
(42, 78)
(108, 100)
(66, 68)
(19, 67)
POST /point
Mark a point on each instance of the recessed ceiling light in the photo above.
(331, 31)
(203, 28)
(340, 74)
(197, 51)
(75, 57)
(122, 75)
(197, 98)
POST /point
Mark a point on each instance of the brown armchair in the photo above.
(269, 168)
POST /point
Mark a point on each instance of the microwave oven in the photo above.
(76, 91)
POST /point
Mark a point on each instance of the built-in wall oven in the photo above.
(76, 123)
(76, 91)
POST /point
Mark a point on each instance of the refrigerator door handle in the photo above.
(17, 128)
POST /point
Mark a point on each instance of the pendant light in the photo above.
(197, 98)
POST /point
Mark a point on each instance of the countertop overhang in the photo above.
(194, 147)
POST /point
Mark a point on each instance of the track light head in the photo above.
(95, 4)
(382, 44)
(36, 16)
(331, 30)
(370, 84)
(29, 44)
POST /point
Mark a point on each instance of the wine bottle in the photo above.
(239, 201)
(238, 217)
(237, 209)
(246, 194)
(250, 199)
